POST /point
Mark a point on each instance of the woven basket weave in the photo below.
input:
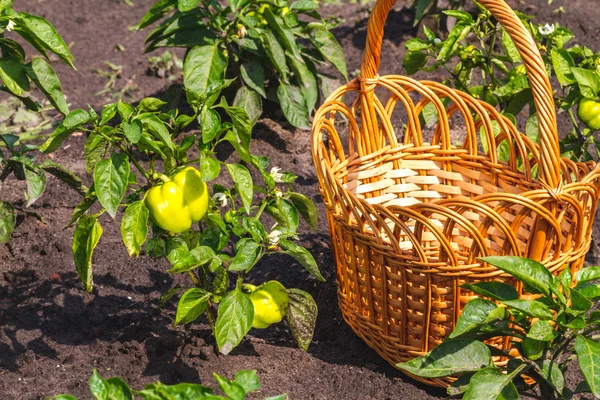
(408, 219)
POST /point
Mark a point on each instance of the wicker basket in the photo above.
(409, 219)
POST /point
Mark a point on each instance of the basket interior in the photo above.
(445, 202)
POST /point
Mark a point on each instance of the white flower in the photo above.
(11, 25)
(437, 41)
(547, 29)
(274, 237)
(278, 193)
(276, 174)
(220, 199)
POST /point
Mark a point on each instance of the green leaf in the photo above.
(187, 5)
(535, 277)
(44, 77)
(193, 259)
(301, 316)
(14, 76)
(65, 175)
(532, 128)
(306, 80)
(12, 49)
(133, 130)
(85, 239)
(203, 65)
(85, 204)
(275, 52)
(414, 61)
(533, 349)
(111, 177)
(134, 227)
(250, 101)
(64, 397)
(210, 167)
(588, 357)
(293, 105)
(542, 330)
(304, 5)
(243, 183)
(191, 305)
(108, 112)
(579, 303)
(4, 4)
(456, 35)
(70, 124)
(453, 356)
(242, 126)
(253, 75)
(158, 10)
(459, 15)
(531, 308)
(563, 62)
(8, 220)
(589, 291)
(495, 290)
(246, 255)
(210, 124)
(157, 128)
(232, 389)
(248, 380)
(285, 214)
(509, 47)
(587, 274)
(306, 208)
(489, 383)
(473, 315)
(151, 104)
(303, 256)
(234, 320)
(34, 177)
(40, 33)
(328, 46)
(589, 82)
(95, 149)
(552, 373)
(181, 391)
(109, 389)
(416, 44)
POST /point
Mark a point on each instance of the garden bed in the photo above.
(53, 333)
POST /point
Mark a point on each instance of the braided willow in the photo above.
(408, 219)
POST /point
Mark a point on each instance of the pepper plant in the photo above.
(275, 46)
(548, 332)
(481, 59)
(244, 383)
(17, 77)
(168, 192)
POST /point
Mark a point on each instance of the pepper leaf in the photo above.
(85, 239)
(303, 256)
(191, 305)
(8, 220)
(111, 177)
(243, 183)
(134, 227)
(234, 320)
(301, 315)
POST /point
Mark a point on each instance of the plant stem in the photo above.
(135, 162)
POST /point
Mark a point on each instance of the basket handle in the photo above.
(549, 165)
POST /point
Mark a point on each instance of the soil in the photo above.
(52, 334)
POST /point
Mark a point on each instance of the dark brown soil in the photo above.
(52, 334)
